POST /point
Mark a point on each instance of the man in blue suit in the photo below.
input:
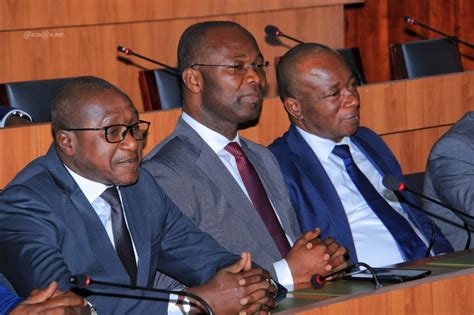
(87, 208)
(334, 168)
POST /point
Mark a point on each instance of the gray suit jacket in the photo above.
(194, 177)
(449, 178)
(49, 231)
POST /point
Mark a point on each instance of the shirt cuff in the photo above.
(283, 273)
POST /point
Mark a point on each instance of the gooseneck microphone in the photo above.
(318, 281)
(86, 281)
(129, 52)
(411, 20)
(273, 31)
(392, 183)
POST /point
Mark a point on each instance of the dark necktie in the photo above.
(259, 197)
(123, 242)
(408, 241)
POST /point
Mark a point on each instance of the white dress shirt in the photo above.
(217, 142)
(92, 190)
(373, 242)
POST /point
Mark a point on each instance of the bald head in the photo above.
(291, 67)
(66, 107)
(193, 45)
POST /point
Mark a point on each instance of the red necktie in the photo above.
(259, 197)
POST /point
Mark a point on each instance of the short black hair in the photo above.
(66, 105)
(286, 70)
(191, 44)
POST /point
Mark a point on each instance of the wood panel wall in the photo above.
(65, 38)
(410, 115)
(376, 24)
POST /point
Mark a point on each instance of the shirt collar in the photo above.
(322, 147)
(215, 140)
(91, 189)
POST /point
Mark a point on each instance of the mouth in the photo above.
(251, 98)
(131, 161)
(353, 118)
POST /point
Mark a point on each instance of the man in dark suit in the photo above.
(87, 208)
(449, 178)
(229, 186)
(334, 168)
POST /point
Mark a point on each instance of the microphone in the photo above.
(85, 281)
(392, 183)
(273, 31)
(129, 52)
(318, 281)
(411, 20)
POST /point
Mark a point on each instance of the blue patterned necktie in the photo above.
(408, 241)
(122, 239)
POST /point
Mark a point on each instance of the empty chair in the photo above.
(34, 97)
(160, 88)
(424, 58)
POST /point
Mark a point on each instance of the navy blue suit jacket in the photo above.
(49, 231)
(315, 199)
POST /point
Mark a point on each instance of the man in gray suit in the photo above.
(87, 208)
(229, 186)
(449, 178)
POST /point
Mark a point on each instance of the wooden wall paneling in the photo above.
(376, 24)
(29, 14)
(412, 148)
(91, 50)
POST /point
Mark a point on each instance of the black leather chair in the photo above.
(416, 181)
(34, 97)
(352, 56)
(160, 89)
(424, 58)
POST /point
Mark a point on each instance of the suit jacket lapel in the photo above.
(211, 165)
(98, 239)
(141, 233)
(309, 166)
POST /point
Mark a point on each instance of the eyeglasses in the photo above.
(239, 69)
(118, 133)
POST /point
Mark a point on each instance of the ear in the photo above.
(64, 142)
(293, 107)
(192, 80)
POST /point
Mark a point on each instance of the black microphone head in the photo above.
(272, 30)
(317, 282)
(392, 183)
(79, 280)
(409, 20)
(125, 50)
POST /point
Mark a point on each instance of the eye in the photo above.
(114, 130)
(333, 94)
(238, 66)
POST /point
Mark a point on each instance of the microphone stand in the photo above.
(129, 52)
(411, 20)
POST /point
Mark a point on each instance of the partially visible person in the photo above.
(229, 186)
(86, 208)
(10, 116)
(449, 178)
(49, 300)
(334, 168)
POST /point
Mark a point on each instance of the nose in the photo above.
(130, 143)
(351, 97)
(255, 76)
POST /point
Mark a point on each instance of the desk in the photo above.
(448, 290)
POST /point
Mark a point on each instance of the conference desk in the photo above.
(448, 290)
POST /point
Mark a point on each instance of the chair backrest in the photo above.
(160, 88)
(415, 181)
(34, 97)
(352, 56)
(424, 58)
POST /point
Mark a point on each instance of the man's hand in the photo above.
(338, 256)
(51, 301)
(238, 289)
(309, 256)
